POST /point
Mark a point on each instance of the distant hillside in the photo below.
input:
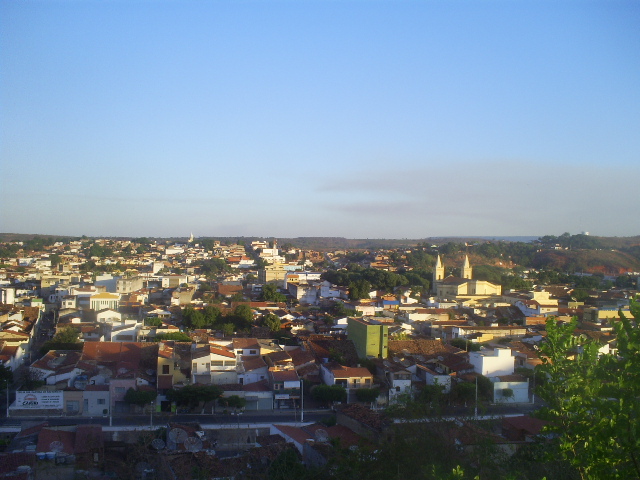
(607, 262)
(619, 243)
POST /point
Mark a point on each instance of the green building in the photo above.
(370, 337)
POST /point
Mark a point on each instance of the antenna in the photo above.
(177, 435)
(193, 444)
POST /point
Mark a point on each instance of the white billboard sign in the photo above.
(39, 400)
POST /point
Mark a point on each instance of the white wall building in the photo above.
(492, 363)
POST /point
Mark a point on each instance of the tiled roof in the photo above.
(252, 362)
(246, 343)
(425, 347)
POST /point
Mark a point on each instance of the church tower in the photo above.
(438, 274)
(466, 268)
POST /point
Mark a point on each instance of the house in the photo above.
(96, 400)
(84, 442)
(213, 364)
(286, 388)
(351, 378)
(397, 377)
(432, 377)
(174, 365)
(254, 369)
(11, 356)
(100, 301)
(492, 363)
(246, 346)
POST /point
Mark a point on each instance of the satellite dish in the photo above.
(177, 435)
(321, 436)
(193, 444)
(158, 443)
(56, 446)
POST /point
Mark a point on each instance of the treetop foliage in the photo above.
(592, 399)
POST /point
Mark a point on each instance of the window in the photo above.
(101, 401)
(120, 390)
(231, 363)
(276, 386)
(252, 352)
(367, 381)
(208, 367)
(217, 363)
(165, 369)
(195, 367)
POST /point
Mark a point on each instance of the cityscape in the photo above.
(319, 240)
(255, 358)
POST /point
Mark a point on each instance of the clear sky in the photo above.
(363, 119)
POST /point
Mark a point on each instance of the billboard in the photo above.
(42, 399)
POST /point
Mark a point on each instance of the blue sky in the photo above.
(363, 119)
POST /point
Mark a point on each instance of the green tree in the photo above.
(139, 397)
(592, 399)
(191, 395)
(270, 293)
(233, 401)
(328, 394)
(367, 395)
(272, 322)
(227, 329)
(152, 322)
(175, 336)
(66, 338)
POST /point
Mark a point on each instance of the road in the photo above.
(217, 420)
(220, 420)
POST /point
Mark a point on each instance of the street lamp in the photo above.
(237, 414)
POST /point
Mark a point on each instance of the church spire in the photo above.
(438, 273)
(467, 272)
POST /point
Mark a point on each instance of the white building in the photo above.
(492, 363)
(510, 389)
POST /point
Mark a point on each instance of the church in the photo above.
(464, 288)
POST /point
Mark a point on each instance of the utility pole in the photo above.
(476, 409)
(301, 401)
(151, 416)
(533, 391)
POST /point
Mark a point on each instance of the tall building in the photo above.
(370, 337)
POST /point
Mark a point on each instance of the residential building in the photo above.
(370, 337)
(493, 363)
(351, 378)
